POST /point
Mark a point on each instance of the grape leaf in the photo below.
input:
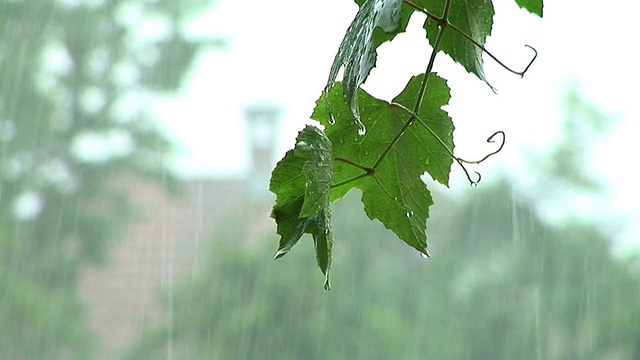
(357, 52)
(474, 18)
(394, 193)
(302, 183)
(533, 6)
(380, 36)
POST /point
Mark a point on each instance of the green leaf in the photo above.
(313, 145)
(357, 51)
(394, 192)
(302, 183)
(474, 18)
(380, 36)
(533, 6)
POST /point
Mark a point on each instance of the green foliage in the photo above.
(392, 190)
(533, 6)
(392, 193)
(384, 148)
(474, 18)
(305, 170)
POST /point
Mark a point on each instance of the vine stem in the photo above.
(351, 180)
(442, 24)
(368, 171)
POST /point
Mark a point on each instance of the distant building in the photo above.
(163, 247)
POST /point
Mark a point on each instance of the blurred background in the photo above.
(136, 143)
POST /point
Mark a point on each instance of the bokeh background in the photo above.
(136, 143)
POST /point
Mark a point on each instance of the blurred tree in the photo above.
(503, 286)
(548, 293)
(74, 79)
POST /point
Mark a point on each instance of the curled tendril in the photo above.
(444, 22)
(535, 55)
(473, 183)
(491, 139)
(460, 161)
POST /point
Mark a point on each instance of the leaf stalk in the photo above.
(442, 24)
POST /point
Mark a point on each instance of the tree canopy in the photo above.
(72, 118)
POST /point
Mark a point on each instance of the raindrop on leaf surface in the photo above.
(332, 120)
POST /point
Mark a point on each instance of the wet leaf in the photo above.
(395, 193)
(302, 182)
(357, 51)
(533, 6)
(474, 18)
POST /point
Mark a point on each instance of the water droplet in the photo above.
(409, 214)
(366, 152)
(424, 255)
(362, 131)
(301, 143)
(327, 284)
(473, 184)
(280, 253)
(332, 120)
(341, 141)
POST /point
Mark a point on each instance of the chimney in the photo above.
(263, 129)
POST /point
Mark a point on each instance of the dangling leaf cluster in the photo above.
(302, 181)
(382, 148)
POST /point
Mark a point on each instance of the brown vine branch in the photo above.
(368, 171)
(350, 180)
